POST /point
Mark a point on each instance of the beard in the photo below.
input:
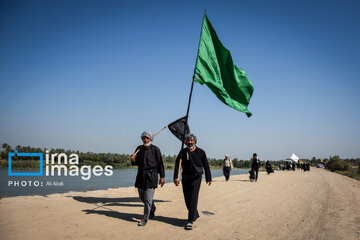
(147, 144)
(192, 146)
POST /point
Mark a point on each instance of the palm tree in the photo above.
(6, 147)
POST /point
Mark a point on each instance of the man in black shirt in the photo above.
(194, 163)
(149, 161)
(255, 165)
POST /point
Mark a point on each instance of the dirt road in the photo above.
(285, 205)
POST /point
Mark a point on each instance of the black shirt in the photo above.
(193, 163)
(149, 158)
(255, 163)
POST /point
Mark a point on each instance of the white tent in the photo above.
(294, 158)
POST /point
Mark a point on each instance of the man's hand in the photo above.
(132, 157)
(162, 182)
(209, 183)
(177, 182)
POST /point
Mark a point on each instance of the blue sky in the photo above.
(92, 75)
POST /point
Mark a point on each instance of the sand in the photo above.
(285, 205)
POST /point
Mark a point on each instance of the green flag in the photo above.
(215, 68)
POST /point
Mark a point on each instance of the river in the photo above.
(11, 186)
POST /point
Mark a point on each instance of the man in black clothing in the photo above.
(194, 163)
(255, 165)
(268, 167)
(149, 161)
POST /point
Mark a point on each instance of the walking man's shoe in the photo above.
(189, 226)
(142, 223)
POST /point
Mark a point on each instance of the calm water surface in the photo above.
(63, 184)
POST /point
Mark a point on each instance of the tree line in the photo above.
(123, 160)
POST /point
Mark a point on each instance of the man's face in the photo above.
(254, 156)
(190, 142)
(146, 140)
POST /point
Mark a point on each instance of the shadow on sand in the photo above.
(105, 203)
(126, 201)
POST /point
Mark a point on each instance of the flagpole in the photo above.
(193, 79)
(192, 82)
(189, 102)
(186, 123)
(197, 54)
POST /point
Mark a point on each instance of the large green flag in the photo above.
(215, 68)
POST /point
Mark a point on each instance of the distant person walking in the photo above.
(227, 166)
(255, 165)
(194, 164)
(149, 161)
(268, 167)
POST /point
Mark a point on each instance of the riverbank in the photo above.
(285, 205)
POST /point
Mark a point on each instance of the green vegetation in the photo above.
(352, 172)
(350, 168)
(21, 164)
(343, 166)
(89, 158)
(336, 164)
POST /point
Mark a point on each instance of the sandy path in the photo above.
(286, 205)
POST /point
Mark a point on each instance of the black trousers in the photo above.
(226, 173)
(191, 187)
(256, 173)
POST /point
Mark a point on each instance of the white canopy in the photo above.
(294, 158)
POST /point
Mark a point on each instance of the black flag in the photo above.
(177, 128)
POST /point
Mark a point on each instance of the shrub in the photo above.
(336, 164)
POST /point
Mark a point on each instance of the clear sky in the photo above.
(92, 75)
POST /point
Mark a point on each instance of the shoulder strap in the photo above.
(153, 149)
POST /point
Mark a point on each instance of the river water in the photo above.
(25, 185)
